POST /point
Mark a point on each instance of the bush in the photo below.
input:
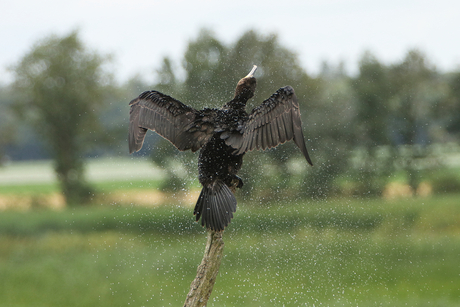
(446, 182)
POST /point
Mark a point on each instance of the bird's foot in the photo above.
(238, 182)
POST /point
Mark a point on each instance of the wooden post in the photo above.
(201, 287)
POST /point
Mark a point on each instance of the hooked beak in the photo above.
(251, 73)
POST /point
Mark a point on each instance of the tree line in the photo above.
(64, 104)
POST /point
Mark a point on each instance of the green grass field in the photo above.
(334, 252)
(340, 252)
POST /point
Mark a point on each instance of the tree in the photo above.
(372, 90)
(414, 95)
(451, 112)
(7, 129)
(205, 63)
(60, 87)
(330, 110)
(411, 79)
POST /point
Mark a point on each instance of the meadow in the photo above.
(333, 252)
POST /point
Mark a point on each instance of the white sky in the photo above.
(139, 33)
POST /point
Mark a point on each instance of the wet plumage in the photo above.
(223, 137)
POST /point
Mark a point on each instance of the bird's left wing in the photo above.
(185, 127)
(274, 122)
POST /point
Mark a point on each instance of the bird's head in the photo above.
(246, 87)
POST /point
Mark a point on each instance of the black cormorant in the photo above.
(223, 137)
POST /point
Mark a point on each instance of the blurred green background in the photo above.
(374, 223)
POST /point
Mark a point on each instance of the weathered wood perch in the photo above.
(201, 287)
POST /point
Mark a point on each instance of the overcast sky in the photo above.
(139, 33)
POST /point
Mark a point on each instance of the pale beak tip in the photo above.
(251, 73)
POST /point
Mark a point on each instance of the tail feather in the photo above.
(215, 206)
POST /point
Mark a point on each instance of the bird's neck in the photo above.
(235, 104)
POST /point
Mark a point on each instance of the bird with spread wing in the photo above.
(223, 136)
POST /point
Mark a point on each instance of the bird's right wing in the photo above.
(185, 127)
(274, 122)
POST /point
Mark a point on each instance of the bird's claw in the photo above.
(239, 182)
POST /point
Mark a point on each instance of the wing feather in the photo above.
(281, 130)
(288, 125)
(259, 139)
(274, 122)
(264, 137)
(185, 127)
(245, 146)
(274, 133)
